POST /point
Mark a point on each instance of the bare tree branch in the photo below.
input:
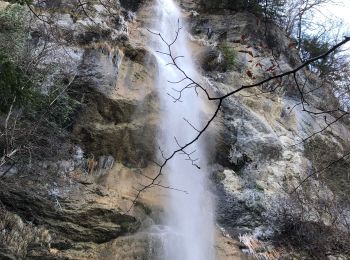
(219, 99)
(320, 171)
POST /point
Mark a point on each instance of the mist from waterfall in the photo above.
(188, 232)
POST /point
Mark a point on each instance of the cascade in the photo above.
(189, 217)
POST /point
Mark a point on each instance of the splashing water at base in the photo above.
(188, 233)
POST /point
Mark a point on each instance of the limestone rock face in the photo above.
(259, 148)
(72, 214)
(112, 78)
(78, 209)
(110, 74)
(108, 127)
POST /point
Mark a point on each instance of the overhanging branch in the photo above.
(194, 84)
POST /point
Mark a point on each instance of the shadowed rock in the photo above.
(71, 216)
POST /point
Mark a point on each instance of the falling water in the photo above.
(189, 217)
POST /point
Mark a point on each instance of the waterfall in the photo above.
(189, 220)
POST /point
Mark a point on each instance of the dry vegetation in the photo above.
(17, 237)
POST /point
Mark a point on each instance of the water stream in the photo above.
(188, 232)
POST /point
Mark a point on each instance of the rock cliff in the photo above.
(76, 206)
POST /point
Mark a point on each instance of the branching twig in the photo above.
(320, 171)
(167, 159)
(219, 99)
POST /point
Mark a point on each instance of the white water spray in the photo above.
(189, 221)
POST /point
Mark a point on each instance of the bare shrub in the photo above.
(312, 222)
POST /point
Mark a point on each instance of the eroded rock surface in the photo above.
(111, 78)
(80, 211)
(73, 214)
(260, 150)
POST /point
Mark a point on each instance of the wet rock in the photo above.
(245, 138)
(118, 117)
(99, 69)
(212, 60)
(130, 144)
(239, 209)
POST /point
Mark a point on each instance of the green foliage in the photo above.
(229, 54)
(21, 2)
(15, 87)
(312, 47)
(262, 8)
(61, 113)
(11, 18)
(272, 9)
(12, 31)
(21, 88)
